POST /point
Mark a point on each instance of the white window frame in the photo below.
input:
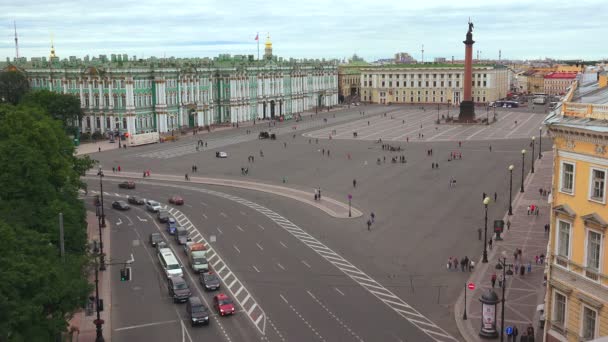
(561, 177)
(587, 230)
(554, 307)
(582, 320)
(591, 187)
(557, 242)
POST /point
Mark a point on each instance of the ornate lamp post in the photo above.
(487, 114)
(350, 197)
(98, 322)
(511, 167)
(502, 265)
(523, 154)
(540, 142)
(486, 201)
(103, 216)
(533, 143)
(438, 114)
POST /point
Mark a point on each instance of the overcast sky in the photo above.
(306, 29)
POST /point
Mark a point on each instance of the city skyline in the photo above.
(304, 30)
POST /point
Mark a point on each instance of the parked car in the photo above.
(263, 135)
(127, 185)
(135, 200)
(120, 205)
(153, 206)
(223, 304)
(163, 215)
(155, 239)
(220, 154)
(197, 311)
(178, 289)
(177, 200)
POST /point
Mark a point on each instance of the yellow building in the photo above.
(431, 83)
(349, 78)
(536, 81)
(603, 79)
(577, 280)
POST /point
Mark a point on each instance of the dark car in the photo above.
(171, 225)
(210, 281)
(120, 205)
(181, 235)
(177, 200)
(263, 135)
(126, 185)
(155, 239)
(135, 200)
(178, 289)
(163, 215)
(197, 311)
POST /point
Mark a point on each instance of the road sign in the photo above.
(509, 330)
(212, 238)
(471, 286)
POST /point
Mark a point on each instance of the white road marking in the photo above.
(204, 204)
(219, 230)
(243, 213)
(256, 269)
(185, 332)
(205, 216)
(252, 308)
(282, 244)
(303, 319)
(142, 219)
(340, 292)
(223, 214)
(237, 249)
(346, 327)
(119, 222)
(260, 247)
(233, 282)
(283, 298)
(305, 263)
(239, 228)
(281, 266)
(261, 227)
(144, 325)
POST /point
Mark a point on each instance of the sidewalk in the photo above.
(82, 324)
(523, 293)
(329, 205)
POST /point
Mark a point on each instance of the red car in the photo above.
(176, 200)
(223, 304)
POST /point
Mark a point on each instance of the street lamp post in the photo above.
(438, 114)
(533, 143)
(487, 114)
(511, 167)
(98, 321)
(464, 313)
(540, 142)
(350, 197)
(486, 201)
(502, 265)
(523, 154)
(449, 102)
(103, 216)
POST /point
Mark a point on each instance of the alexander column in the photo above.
(467, 107)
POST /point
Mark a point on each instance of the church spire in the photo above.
(268, 48)
(52, 48)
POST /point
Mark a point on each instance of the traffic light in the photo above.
(125, 274)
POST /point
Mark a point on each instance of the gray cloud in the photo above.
(313, 28)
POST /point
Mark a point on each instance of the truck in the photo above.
(197, 257)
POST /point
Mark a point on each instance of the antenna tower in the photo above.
(422, 53)
(16, 41)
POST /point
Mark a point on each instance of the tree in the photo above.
(13, 86)
(62, 107)
(39, 178)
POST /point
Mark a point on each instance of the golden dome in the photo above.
(268, 43)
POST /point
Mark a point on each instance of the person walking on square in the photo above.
(354, 183)
(471, 265)
(529, 210)
(119, 168)
(369, 225)
(529, 267)
(373, 216)
(493, 279)
(490, 243)
(449, 263)
(495, 196)
(455, 261)
(522, 270)
(536, 210)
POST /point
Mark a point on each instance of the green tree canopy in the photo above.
(64, 107)
(13, 86)
(39, 178)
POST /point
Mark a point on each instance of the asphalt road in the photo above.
(420, 220)
(304, 296)
(142, 308)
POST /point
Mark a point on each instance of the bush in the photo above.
(86, 136)
(97, 136)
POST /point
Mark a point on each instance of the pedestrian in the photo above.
(449, 263)
(186, 177)
(495, 196)
(205, 144)
(118, 168)
(490, 148)
(328, 153)
(522, 270)
(540, 191)
(471, 266)
(144, 174)
(373, 216)
(546, 228)
(528, 210)
(493, 279)
(354, 183)
(99, 149)
(508, 224)
(536, 259)
(113, 169)
(500, 279)
(285, 145)
(515, 331)
(459, 143)
(483, 196)
(432, 165)
(490, 243)
(284, 179)
(536, 211)
(463, 263)
(515, 254)
(455, 261)
(529, 267)
(323, 151)
(519, 253)
(436, 165)
(369, 225)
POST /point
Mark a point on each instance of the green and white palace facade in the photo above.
(161, 95)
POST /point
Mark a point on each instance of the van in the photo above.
(169, 263)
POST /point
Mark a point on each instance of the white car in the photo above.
(153, 206)
(221, 154)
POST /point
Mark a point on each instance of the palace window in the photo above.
(567, 178)
(597, 185)
(563, 239)
(594, 250)
(427, 83)
(412, 84)
(397, 84)
(559, 309)
(390, 83)
(457, 84)
(588, 324)
(434, 83)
